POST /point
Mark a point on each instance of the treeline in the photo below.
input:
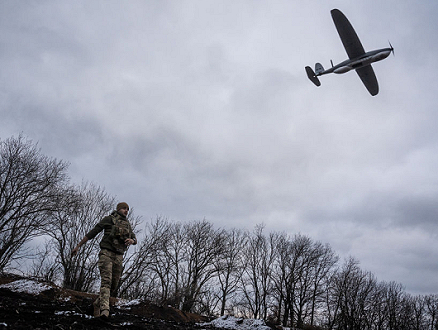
(193, 266)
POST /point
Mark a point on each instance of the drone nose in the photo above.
(392, 48)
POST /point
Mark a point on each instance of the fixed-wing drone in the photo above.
(357, 58)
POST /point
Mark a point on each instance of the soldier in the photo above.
(117, 237)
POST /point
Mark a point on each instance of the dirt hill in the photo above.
(29, 304)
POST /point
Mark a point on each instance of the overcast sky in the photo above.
(202, 109)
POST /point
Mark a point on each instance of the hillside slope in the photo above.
(29, 304)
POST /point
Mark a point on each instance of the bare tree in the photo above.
(230, 265)
(292, 279)
(353, 290)
(30, 184)
(394, 296)
(280, 275)
(203, 246)
(311, 262)
(419, 309)
(168, 259)
(45, 265)
(306, 262)
(208, 301)
(78, 211)
(377, 311)
(432, 310)
(325, 262)
(181, 261)
(257, 285)
(406, 319)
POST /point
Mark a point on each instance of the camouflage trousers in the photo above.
(110, 267)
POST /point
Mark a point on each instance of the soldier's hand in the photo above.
(129, 241)
(74, 251)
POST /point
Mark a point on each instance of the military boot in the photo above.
(96, 306)
(104, 314)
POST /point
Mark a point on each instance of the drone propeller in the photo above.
(392, 48)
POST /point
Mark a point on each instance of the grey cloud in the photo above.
(203, 109)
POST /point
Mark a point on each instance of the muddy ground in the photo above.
(60, 309)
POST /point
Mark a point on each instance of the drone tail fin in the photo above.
(319, 69)
(312, 76)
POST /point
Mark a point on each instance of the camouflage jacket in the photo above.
(116, 230)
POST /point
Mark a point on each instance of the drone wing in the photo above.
(369, 79)
(349, 38)
(354, 49)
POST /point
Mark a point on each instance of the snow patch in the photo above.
(125, 303)
(126, 323)
(70, 313)
(26, 286)
(234, 323)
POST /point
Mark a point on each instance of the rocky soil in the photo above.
(28, 304)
